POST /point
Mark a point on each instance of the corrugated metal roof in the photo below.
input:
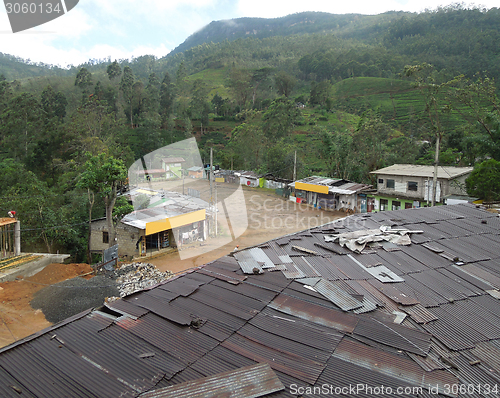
(399, 367)
(215, 319)
(336, 295)
(248, 382)
(394, 335)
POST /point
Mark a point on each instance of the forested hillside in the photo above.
(349, 93)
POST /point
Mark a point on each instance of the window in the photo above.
(412, 186)
(396, 205)
(380, 180)
(105, 237)
(390, 184)
(384, 204)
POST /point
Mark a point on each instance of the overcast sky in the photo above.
(97, 29)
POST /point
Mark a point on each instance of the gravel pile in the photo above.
(73, 296)
(131, 278)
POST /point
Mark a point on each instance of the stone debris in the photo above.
(131, 278)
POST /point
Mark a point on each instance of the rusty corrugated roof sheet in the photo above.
(247, 382)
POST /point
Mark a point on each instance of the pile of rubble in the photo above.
(131, 278)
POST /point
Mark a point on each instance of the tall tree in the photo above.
(167, 96)
(83, 80)
(284, 83)
(280, 119)
(127, 88)
(114, 70)
(484, 181)
(103, 174)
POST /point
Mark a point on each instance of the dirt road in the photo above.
(265, 215)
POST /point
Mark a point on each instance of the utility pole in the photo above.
(211, 176)
(435, 177)
(295, 166)
(215, 215)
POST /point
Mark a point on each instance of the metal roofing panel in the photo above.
(325, 268)
(394, 335)
(261, 257)
(12, 388)
(284, 344)
(470, 252)
(489, 354)
(125, 307)
(296, 329)
(247, 262)
(315, 313)
(475, 316)
(337, 296)
(441, 285)
(480, 271)
(392, 365)
(186, 344)
(247, 290)
(122, 366)
(248, 382)
(211, 314)
(303, 264)
(477, 374)
(26, 364)
(463, 333)
(392, 291)
(401, 261)
(349, 268)
(425, 256)
(231, 297)
(419, 313)
(161, 308)
(149, 354)
(289, 363)
(221, 274)
(345, 376)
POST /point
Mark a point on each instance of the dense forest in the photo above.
(348, 93)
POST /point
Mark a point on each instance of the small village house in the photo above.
(330, 193)
(173, 167)
(170, 220)
(406, 186)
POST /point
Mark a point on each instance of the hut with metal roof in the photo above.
(330, 193)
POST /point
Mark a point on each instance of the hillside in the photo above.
(345, 25)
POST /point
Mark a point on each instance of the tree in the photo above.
(284, 83)
(432, 93)
(114, 70)
(336, 150)
(53, 104)
(21, 124)
(83, 80)
(167, 96)
(127, 88)
(484, 181)
(240, 83)
(280, 119)
(102, 174)
(199, 106)
(320, 93)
